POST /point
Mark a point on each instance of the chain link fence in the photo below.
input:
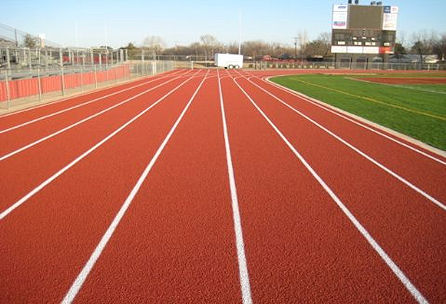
(261, 65)
(37, 75)
(22, 58)
(40, 84)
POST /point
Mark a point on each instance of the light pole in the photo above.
(295, 48)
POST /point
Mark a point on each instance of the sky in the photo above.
(117, 22)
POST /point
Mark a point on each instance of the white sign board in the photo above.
(340, 14)
(370, 50)
(340, 8)
(390, 18)
(354, 50)
(338, 49)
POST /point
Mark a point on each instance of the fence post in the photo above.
(95, 77)
(60, 57)
(8, 96)
(8, 59)
(39, 85)
(46, 60)
(82, 78)
(62, 78)
(29, 61)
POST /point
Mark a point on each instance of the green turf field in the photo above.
(404, 75)
(423, 87)
(418, 111)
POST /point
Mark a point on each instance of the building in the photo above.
(363, 33)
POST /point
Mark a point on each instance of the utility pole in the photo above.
(302, 37)
(239, 32)
(295, 47)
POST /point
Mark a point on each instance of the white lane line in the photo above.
(316, 103)
(83, 94)
(390, 263)
(3, 157)
(77, 284)
(83, 155)
(242, 264)
(79, 105)
(369, 158)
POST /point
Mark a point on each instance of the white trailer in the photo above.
(229, 61)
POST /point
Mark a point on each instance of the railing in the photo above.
(32, 85)
(344, 65)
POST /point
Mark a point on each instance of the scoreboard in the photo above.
(364, 29)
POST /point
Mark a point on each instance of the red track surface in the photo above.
(148, 214)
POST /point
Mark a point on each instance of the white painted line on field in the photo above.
(366, 156)
(77, 284)
(83, 155)
(396, 85)
(344, 116)
(390, 263)
(80, 105)
(82, 121)
(242, 264)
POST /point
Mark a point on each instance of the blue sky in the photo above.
(182, 22)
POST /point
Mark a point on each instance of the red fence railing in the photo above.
(20, 88)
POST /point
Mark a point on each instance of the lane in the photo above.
(299, 245)
(10, 119)
(423, 171)
(422, 150)
(178, 233)
(29, 134)
(131, 85)
(63, 223)
(406, 225)
(29, 169)
(176, 242)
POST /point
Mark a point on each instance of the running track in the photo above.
(211, 186)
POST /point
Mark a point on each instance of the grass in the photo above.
(429, 87)
(431, 74)
(441, 89)
(420, 114)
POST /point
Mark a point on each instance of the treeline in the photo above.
(421, 43)
(209, 45)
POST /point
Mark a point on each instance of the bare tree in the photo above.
(254, 48)
(401, 38)
(319, 47)
(209, 43)
(231, 47)
(423, 42)
(439, 47)
(30, 41)
(154, 44)
(302, 37)
(399, 51)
